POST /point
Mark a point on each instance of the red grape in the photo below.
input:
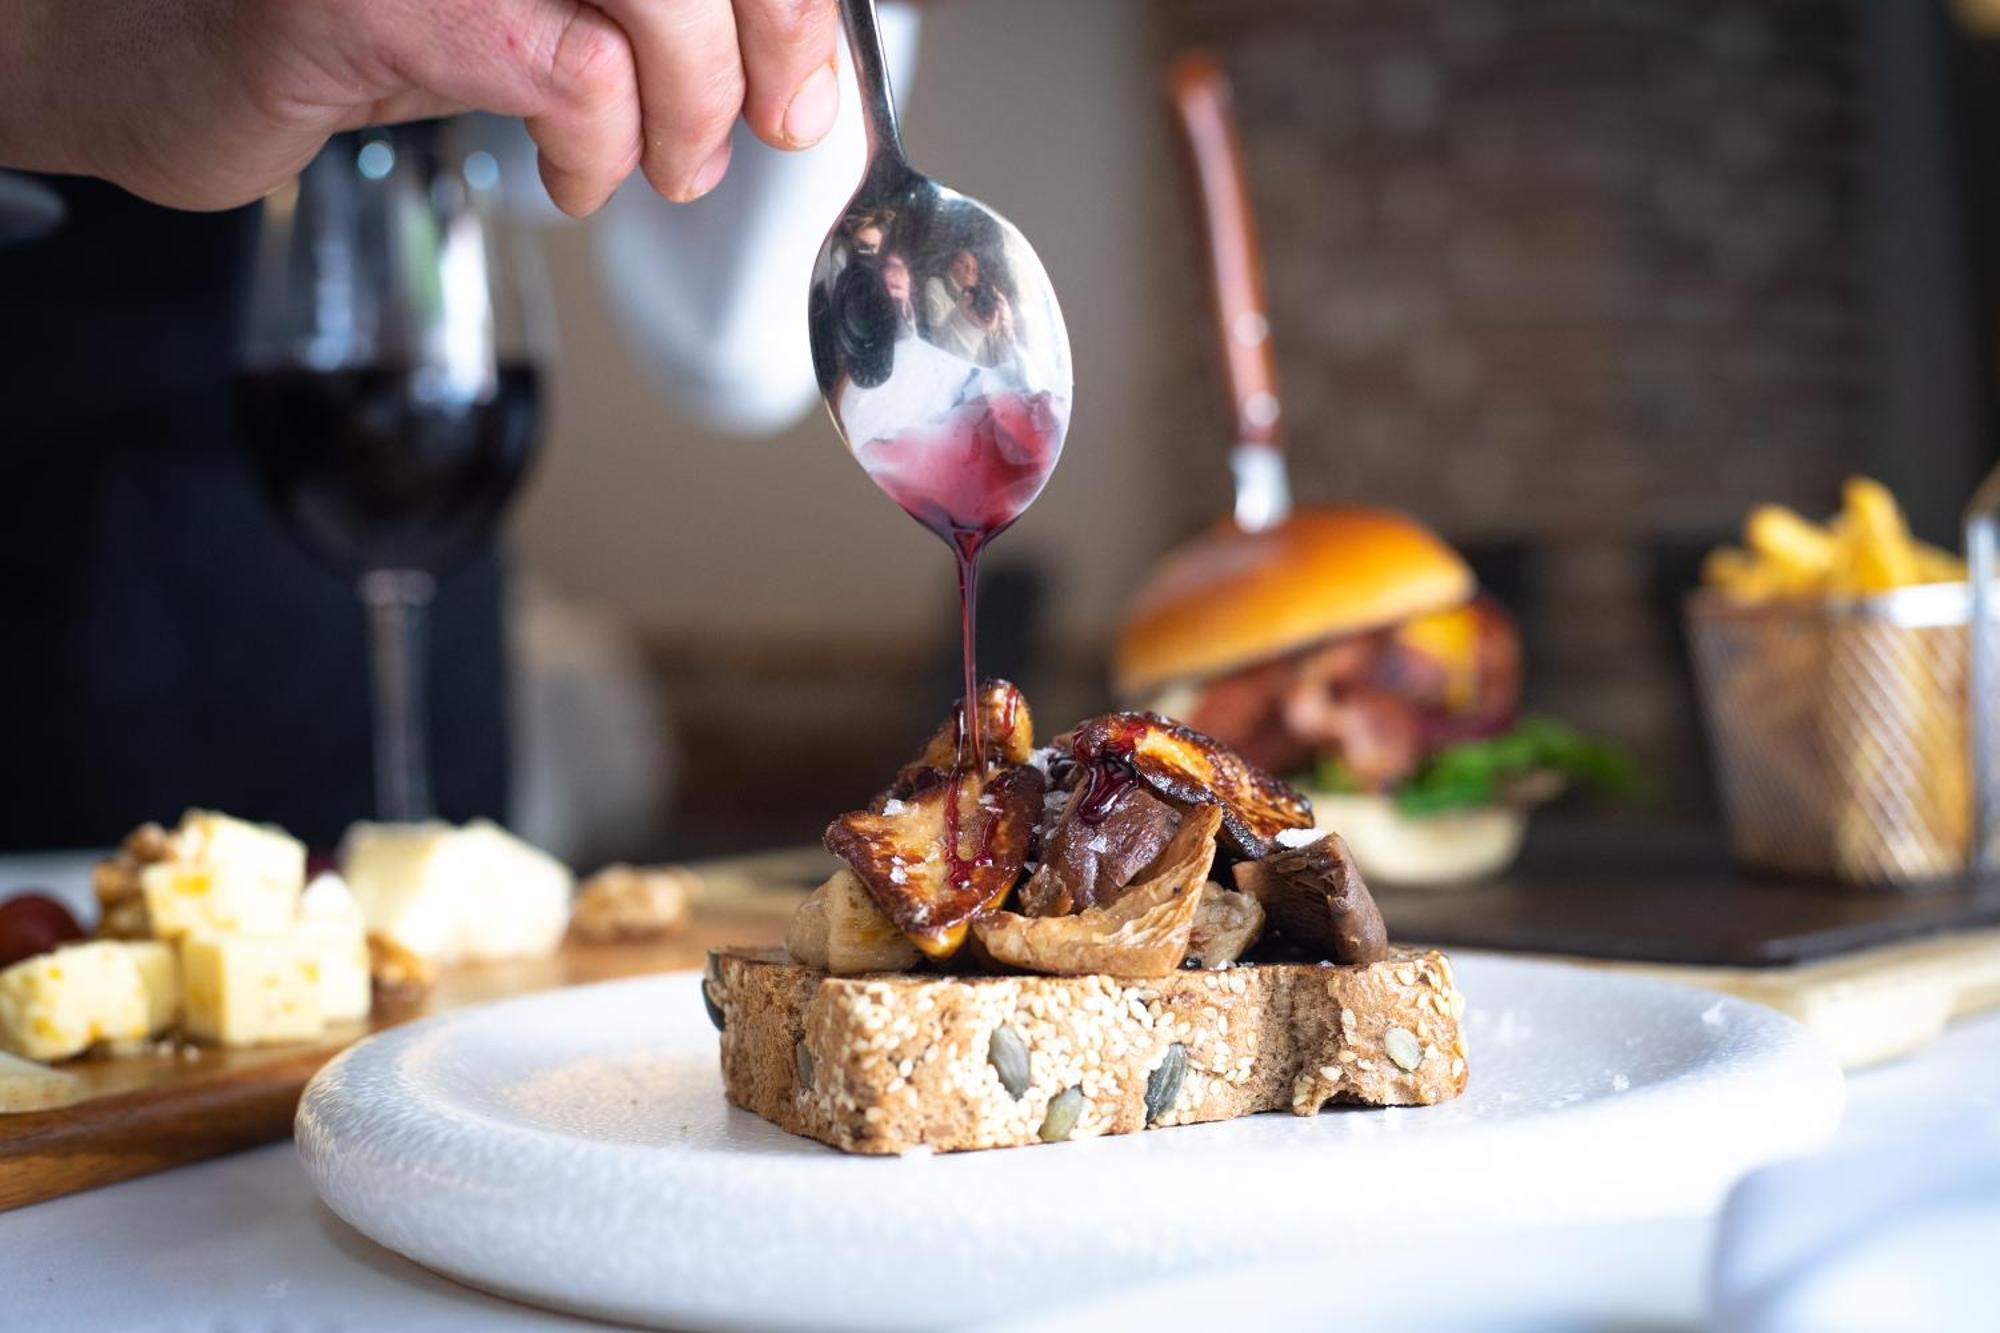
(32, 923)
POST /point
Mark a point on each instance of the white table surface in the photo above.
(243, 1243)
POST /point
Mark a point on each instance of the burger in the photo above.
(1351, 651)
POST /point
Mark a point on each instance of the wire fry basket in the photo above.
(1841, 733)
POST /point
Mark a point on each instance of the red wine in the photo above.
(967, 476)
(373, 468)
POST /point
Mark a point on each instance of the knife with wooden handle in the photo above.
(1200, 96)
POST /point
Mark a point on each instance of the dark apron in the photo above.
(162, 643)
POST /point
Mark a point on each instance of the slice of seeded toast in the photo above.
(889, 1063)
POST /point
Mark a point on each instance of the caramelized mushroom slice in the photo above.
(1189, 768)
(1144, 933)
(1006, 734)
(952, 847)
(1316, 897)
(1095, 853)
(1226, 924)
(840, 930)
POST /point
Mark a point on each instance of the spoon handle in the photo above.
(878, 105)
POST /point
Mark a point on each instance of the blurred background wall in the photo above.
(1578, 281)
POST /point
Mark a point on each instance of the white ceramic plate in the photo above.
(574, 1149)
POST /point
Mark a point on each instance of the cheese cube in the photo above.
(457, 894)
(27, 1086)
(342, 953)
(248, 990)
(56, 1005)
(159, 968)
(224, 875)
(331, 918)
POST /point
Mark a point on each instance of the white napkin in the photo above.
(1887, 1236)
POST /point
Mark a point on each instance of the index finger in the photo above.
(791, 95)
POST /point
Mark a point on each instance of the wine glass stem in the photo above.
(398, 602)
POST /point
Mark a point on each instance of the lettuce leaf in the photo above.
(1475, 773)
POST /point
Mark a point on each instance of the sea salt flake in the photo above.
(1299, 837)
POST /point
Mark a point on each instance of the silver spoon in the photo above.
(938, 345)
(925, 306)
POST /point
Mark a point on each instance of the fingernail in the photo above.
(811, 113)
(710, 174)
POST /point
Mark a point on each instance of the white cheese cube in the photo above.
(225, 875)
(342, 951)
(27, 1086)
(453, 895)
(249, 990)
(159, 968)
(56, 1005)
(329, 899)
(330, 916)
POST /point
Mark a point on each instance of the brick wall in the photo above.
(1576, 277)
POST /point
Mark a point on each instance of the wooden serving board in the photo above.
(149, 1112)
(1875, 973)
(1870, 1006)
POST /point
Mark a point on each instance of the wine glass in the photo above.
(387, 389)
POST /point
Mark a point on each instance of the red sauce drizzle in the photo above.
(967, 477)
(1104, 783)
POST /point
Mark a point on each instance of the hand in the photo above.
(209, 103)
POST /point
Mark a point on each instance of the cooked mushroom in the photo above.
(840, 930)
(805, 936)
(952, 847)
(1006, 734)
(1144, 933)
(1189, 768)
(1097, 851)
(1315, 896)
(1226, 924)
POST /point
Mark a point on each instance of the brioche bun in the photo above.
(1232, 598)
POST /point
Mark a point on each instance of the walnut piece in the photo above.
(120, 902)
(622, 902)
(401, 978)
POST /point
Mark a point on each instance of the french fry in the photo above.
(1799, 547)
(1741, 575)
(1728, 568)
(1863, 549)
(1884, 555)
(1936, 565)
